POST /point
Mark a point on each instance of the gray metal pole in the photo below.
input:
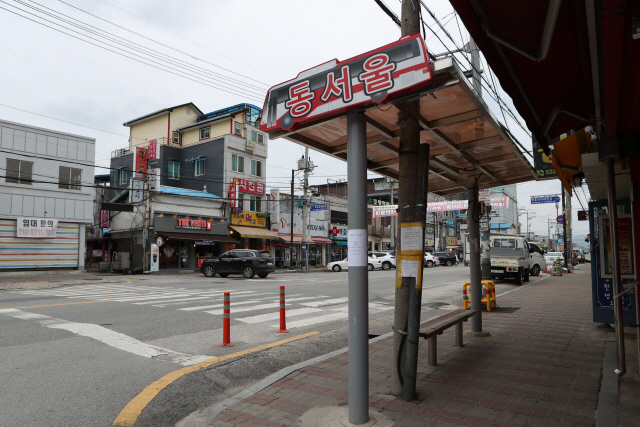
(291, 224)
(415, 291)
(473, 219)
(358, 274)
(617, 279)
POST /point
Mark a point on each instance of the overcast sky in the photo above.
(251, 45)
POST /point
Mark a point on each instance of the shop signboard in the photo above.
(193, 224)
(105, 221)
(382, 211)
(246, 186)
(36, 227)
(338, 232)
(452, 241)
(233, 194)
(249, 219)
(137, 193)
(335, 87)
(542, 163)
(154, 179)
(140, 162)
(154, 150)
(625, 242)
(315, 227)
(319, 207)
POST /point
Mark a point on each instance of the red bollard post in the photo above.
(283, 322)
(226, 330)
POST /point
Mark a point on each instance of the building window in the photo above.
(19, 172)
(174, 170)
(260, 138)
(176, 137)
(255, 203)
(69, 178)
(123, 178)
(198, 167)
(204, 133)
(256, 167)
(238, 128)
(237, 163)
(254, 135)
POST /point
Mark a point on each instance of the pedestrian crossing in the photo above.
(247, 307)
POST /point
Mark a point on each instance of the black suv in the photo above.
(446, 258)
(247, 262)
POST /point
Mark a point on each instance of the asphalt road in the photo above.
(78, 355)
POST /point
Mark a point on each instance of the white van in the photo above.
(538, 263)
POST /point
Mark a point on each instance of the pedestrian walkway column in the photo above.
(358, 274)
(473, 219)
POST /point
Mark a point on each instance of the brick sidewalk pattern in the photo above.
(541, 366)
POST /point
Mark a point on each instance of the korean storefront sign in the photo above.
(36, 227)
(154, 150)
(248, 218)
(335, 87)
(389, 210)
(140, 162)
(498, 202)
(338, 232)
(625, 242)
(105, 221)
(252, 187)
(193, 224)
(154, 179)
(315, 227)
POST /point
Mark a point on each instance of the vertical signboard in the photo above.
(105, 221)
(154, 179)
(542, 163)
(154, 150)
(140, 162)
(625, 242)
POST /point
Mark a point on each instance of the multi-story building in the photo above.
(220, 155)
(46, 197)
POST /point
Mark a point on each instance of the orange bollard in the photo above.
(226, 330)
(465, 298)
(283, 321)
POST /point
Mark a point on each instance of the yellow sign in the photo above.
(452, 241)
(249, 219)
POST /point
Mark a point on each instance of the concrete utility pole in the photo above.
(475, 272)
(410, 210)
(392, 238)
(291, 224)
(305, 165)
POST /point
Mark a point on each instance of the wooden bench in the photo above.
(431, 329)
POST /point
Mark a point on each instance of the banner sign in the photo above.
(137, 191)
(154, 179)
(389, 210)
(193, 224)
(537, 200)
(248, 218)
(105, 221)
(154, 150)
(498, 202)
(315, 227)
(245, 186)
(36, 227)
(335, 87)
(233, 195)
(319, 207)
(542, 163)
(140, 162)
(625, 250)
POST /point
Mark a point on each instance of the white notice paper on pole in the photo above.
(411, 239)
(357, 244)
(484, 195)
(410, 268)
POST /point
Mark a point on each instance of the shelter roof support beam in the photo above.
(595, 57)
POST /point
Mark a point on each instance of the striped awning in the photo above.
(255, 232)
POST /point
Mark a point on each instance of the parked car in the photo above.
(388, 259)
(446, 258)
(247, 262)
(372, 264)
(550, 257)
(430, 260)
(538, 261)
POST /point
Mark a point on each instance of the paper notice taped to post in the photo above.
(410, 268)
(357, 244)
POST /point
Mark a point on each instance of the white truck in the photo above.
(510, 258)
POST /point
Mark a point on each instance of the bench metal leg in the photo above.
(432, 355)
(459, 335)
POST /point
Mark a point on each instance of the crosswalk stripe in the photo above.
(176, 300)
(314, 320)
(276, 315)
(217, 306)
(326, 302)
(243, 309)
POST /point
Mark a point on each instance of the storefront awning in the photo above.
(193, 236)
(321, 240)
(452, 246)
(287, 239)
(566, 157)
(255, 232)
(340, 242)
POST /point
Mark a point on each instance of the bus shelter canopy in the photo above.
(468, 145)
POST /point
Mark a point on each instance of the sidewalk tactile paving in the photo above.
(541, 366)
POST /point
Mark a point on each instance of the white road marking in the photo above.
(241, 310)
(217, 305)
(176, 301)
(315, 320)
(107, 336)
(275, 316)
(326, 302)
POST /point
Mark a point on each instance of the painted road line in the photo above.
(134, 408)
(275, 316)
(315, 320)
(109, 337)
(304, 298)
(177, 301)
(326, 302)
(202, 307)
(53, 305)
